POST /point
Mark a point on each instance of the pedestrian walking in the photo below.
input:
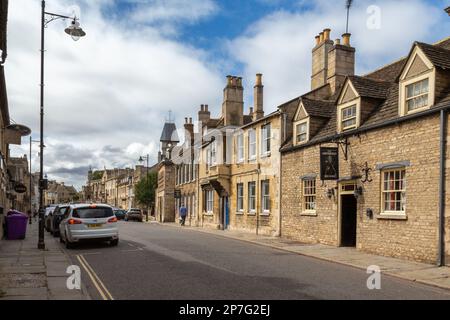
(183, 214)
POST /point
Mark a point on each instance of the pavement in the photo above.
(409, 270)
(27, 273)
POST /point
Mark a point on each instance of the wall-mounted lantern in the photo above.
(329, 193)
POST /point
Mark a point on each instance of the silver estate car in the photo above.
(89, 222)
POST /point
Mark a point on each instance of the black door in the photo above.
(348, 213)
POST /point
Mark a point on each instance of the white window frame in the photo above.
(266, 137)
(401, 191)
(307, 196)
(209, 201)
(252, 150)
(296, 133)
(213, 151)
(265, 194)
(417, 96)
(355, 102)
(240, 156)
(251, 197)
(240, 198)
(404, 82)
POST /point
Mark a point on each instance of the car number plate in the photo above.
(94, 225)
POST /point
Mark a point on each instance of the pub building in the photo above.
(365, 163)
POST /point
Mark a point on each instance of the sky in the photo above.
(108, 94)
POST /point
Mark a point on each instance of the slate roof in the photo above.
(169, 133)
(381, 84)
(318, 108)
(370, 88)
(440, 57)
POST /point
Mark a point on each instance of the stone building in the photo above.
(19, 174)
(58, 193)
(165, 192)
(186, 182)
(365, 160)
(239, 163)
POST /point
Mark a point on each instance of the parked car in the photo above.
(47, 213)
(134, 214)
(55, 218)
(89, 222)
(120, 213)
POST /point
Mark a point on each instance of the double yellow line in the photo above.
(101, 288)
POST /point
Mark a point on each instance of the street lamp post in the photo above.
(141, 159)
(76, 33)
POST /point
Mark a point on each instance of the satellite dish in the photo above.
(24, 130)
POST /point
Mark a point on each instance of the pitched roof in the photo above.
(382, 84)
(370, 88)
(318, 108)
(169, 133)
(439, 57)
(3, 27)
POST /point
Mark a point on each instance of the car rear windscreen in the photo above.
(92, 213)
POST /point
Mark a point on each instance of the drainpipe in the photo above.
(284, 119)
(441, 244)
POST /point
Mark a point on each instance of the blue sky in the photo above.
(107, 95)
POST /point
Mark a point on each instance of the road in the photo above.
(154, 261)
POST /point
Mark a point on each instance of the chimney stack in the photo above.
(258, 98)
(341, 62)
(233, 102)
(320, 59)
(204, 114)
(189, 129)
(250, 113)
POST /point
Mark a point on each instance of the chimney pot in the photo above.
(337, 41)
(206, 107)
(321, 37)
(185, 120)
(259, 79)
(317, 40)
(326, 34)
(202, 108)
(251, 111)
(346, 39)
(190, 120)
(229, 80)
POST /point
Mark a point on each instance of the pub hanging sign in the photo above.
(329, 163)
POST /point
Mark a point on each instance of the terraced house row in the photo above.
(358, 161)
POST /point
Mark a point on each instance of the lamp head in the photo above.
(74, 30)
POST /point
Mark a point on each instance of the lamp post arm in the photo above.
(55, 16)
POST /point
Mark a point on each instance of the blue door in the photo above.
(227, 213)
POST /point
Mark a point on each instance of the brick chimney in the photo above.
(189, 129)
(204, 115)
(233, 102)
(258, 98)
(341, 62)
(320, 59)
(331, 61)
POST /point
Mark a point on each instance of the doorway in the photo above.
(348, 216)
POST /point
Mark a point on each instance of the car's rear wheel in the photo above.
(114, 242)
(69, 245)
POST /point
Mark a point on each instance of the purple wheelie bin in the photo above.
(16, 224)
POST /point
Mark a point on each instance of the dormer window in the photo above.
(417, 83)
(417, 95)
(301, 131)
(348, 117)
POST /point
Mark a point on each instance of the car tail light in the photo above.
(75, 221)
(113, 219)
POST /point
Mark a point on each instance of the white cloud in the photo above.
(173, 11)
(279, 45)
(112, 88)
